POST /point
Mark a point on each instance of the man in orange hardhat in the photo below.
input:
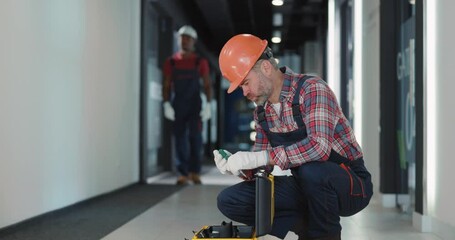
(300, 127)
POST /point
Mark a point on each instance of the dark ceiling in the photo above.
(218, 20)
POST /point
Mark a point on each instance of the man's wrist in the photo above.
(261, 157)
(266, 158)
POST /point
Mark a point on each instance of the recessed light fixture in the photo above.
(276, 36)
(277, 2)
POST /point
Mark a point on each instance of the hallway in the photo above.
(161, 210)
(187, 210)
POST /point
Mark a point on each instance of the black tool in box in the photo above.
(265, 205)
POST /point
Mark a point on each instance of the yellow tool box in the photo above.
(265, 205)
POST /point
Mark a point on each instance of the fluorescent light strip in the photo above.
(331, 43)
(430, 101)
(358, 64)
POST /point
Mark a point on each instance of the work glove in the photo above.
(242, 161)
(221, 161)
(206, 113)
(169, 112)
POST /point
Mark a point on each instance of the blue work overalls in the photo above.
(187, 125)
(311, 201)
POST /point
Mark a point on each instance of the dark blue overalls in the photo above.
(311, 201)
(187, 125)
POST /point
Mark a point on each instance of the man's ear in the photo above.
(266, 68)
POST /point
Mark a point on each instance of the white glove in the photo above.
(246, 160)
(206, 112)
(169, 112)
(221, 163)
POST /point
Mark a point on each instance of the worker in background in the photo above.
(299, 126)
(183, 105)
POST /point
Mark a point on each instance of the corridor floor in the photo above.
(176, 217)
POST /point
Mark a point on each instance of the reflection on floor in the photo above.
(176, 217)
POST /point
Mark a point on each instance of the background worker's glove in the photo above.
(206, 112)
(244, 160)
(221, 162)
(169, 112)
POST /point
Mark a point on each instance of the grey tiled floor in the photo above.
(195, 206)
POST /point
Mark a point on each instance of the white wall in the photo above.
(441, 204)
(370, 89)
(69, 102)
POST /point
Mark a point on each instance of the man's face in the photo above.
(186, 43)
(257, 87)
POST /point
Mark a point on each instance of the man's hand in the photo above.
(206, 112)
(169, 112)
(247, 160)
(221, 162)
(240, 161)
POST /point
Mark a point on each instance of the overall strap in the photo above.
(261, 118)
(296, 114)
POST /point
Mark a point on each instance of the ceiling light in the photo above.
(277, 2)
(276, 36)
(276, 39)
(253, 136)
(252, 125)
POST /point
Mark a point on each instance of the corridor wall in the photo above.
(69, 102)
(369, 94)
(439, 65)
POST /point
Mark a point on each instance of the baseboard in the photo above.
(429, 224)
(421, 222)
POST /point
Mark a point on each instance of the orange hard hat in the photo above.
(238, 56)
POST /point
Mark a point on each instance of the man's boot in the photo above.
(182, 180)
(195, 178)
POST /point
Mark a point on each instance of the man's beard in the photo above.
(264, 90)
(260, 101)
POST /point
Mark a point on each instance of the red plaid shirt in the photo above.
(326, 125)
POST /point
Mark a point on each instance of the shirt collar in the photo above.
(288, 82)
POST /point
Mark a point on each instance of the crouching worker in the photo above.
(300, 127)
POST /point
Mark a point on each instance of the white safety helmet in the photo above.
(188, 30)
